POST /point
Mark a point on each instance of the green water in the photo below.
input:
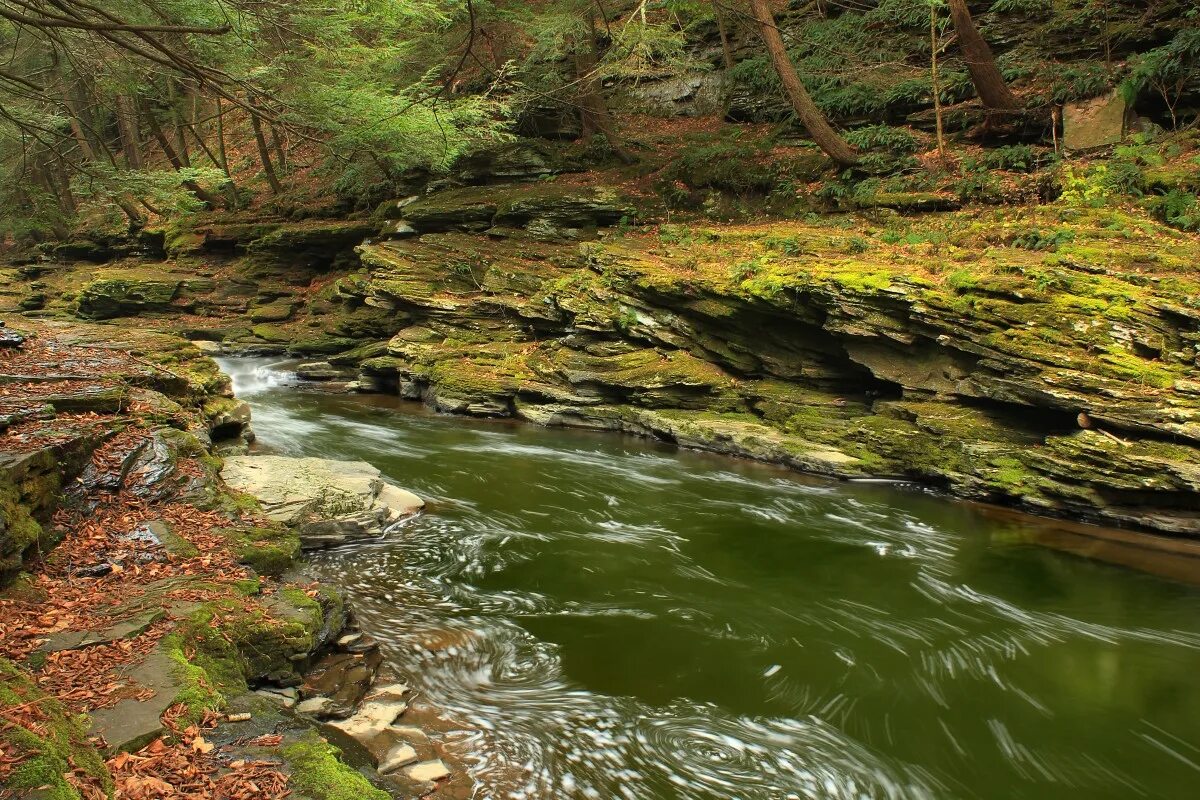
(602, 617)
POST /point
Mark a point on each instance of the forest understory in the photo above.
(941, 242)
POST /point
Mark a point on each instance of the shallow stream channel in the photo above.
(596, 616)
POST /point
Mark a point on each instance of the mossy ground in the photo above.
(55, 746)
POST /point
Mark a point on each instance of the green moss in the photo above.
(269, 550)
(318, 772)
(19, 533)
(49, 755)
(211, 667)
(271, 333)
(299, 599)
(23, 589)
(217, 406)
(1011, 475)
(1125, 365)
(248, 587)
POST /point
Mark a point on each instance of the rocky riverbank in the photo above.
(156, 639)
(1042, 357)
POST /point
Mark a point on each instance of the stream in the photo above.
(598, 616)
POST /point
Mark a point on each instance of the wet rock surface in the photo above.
(330, 502)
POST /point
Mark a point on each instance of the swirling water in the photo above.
(603, 617)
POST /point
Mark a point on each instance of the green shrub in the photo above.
(900, 14)
(976, 183)
(1177, 208)
(1014, 157)
(1022, 7)
(1168, 70)
(1079, 81)
(722, 163)
(1044, 240)
(898, 141)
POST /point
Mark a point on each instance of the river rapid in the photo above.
(603, 617)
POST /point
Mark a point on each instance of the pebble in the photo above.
(428, 771)
(399, 756)
(313, 705)
(288, 696)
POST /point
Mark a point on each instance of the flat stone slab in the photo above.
(399, 756)
(294, 489)
(285, 697)
(373, 718)
(433, 770)
(132, 724)
(329, 502)
(126, 629)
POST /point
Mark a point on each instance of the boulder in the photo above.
(520, 160)
(277, 311)
(10, 339)
(691, 95)
(1096, 122)
(550, 211)
(227, 418)
(122, 297)
(129, 292)
(329, 501)
(318, 371)
(133, 723)
(293, 249)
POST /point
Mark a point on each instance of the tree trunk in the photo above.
(224, 158)
(264, 154)
(277, 146)
(181, 145)
(726, 47)
(176, 160)
(163, 142)
(128, 128)
(73, 116)
(63, 173)
(989, 83)
(811, 117)
(203, 145)
(594, 113)
(181, 148)
(935, 83)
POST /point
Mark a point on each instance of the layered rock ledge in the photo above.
(1043, 357)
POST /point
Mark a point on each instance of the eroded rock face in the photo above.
(330, 502)
(550, 212)
(835, 364)
(130, 293)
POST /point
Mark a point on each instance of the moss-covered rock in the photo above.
(269, 550)
(128, 291)
(48, 755)
(546, 210)
(307, 247)
(19, 533)
(318, 771)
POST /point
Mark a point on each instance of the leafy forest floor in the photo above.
(126, 651)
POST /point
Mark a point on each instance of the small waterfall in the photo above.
(251, 376)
